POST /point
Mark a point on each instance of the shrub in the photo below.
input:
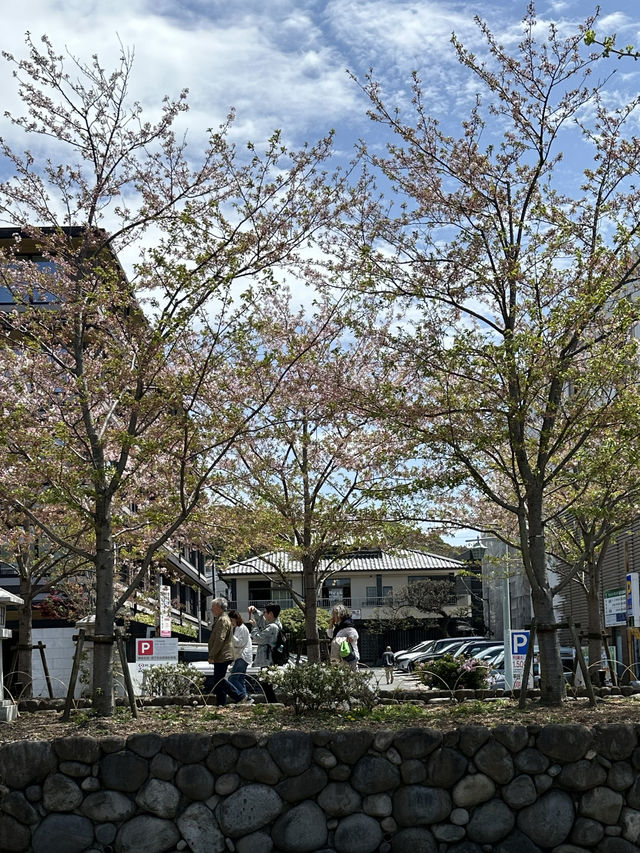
(453, 673)
(322, 687)
(172, 679)
(292, 620)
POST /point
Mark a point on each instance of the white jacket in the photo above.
(242, 647)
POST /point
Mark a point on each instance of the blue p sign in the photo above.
(519, 642)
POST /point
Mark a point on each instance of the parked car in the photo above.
(497, 672)
(453, 646)
(475, 648)
(490, 653)
(422, 646)
(436, 647)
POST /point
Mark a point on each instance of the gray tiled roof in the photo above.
(391, 561)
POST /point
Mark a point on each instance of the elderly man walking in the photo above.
(221, 652)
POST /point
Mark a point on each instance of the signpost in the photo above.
(154, 651)
(519, 645)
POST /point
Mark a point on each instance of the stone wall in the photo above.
(512, 789)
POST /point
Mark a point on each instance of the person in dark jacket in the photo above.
(388, 662)
(221, 652)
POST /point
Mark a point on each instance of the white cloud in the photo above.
(282, 63)
(269, 61)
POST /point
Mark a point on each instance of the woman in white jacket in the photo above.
(242, 653)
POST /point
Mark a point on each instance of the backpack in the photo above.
(280, 650)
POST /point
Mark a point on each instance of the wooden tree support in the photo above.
(11, 678)
(125, 672)
(41, 647)
(74, 674)
(80, 640)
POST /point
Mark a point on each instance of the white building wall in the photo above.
(59, 653)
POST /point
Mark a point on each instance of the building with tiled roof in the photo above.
(366, 581)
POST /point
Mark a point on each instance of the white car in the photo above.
(405, 653)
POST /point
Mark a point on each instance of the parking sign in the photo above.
(519, 642)
(519, 646)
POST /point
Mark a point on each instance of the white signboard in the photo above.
(615, 607)
(153, 651)
(165, 611)
(519, 647)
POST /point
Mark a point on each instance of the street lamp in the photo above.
(477, 551)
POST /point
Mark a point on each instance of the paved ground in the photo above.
(401, 680)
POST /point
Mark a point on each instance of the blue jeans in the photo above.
(221, 686)
(236, 677)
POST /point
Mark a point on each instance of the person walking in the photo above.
(344, 638)
(221, 652)
(264, 633)
(242, 654)
(388, 662)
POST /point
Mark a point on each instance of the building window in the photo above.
(259, 591)
(37, 295)
(337, 591)
(374, 599)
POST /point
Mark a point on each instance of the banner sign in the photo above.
(165, 611)
(615, 607)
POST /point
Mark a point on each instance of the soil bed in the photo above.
(266, 719)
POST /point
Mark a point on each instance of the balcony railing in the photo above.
(370, 602)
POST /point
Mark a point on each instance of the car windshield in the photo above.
(447, 646)
(422, 647)
(472, 649)
(489, 653)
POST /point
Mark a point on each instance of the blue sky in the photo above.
(282, 63)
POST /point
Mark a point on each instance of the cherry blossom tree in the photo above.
(318, 480)
(520, 272)
(41, 568)
(120, 394)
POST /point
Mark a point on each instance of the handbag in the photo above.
(346, 652)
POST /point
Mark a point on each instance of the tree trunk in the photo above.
(594, 625)
(103, 702)
(553, 687)
(311, 609)
(23, 682)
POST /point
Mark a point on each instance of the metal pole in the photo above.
(506, 621)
